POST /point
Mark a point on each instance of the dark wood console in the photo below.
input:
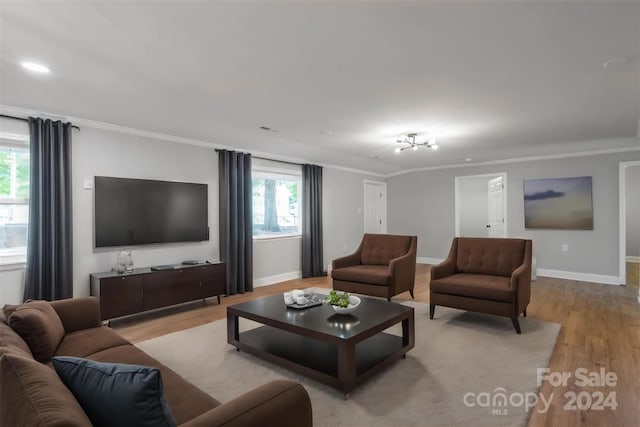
(145, 289)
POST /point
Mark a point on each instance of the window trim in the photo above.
(17, 143)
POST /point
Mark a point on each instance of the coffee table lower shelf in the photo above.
(321, 360)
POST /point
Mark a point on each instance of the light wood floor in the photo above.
(600, 329)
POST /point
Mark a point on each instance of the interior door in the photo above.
(375, 207)
(496, 212)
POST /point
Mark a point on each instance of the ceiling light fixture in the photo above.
(410, 139)
(35, 67)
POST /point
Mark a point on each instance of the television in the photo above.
(142, 211)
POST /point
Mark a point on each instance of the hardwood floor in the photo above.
(600, 329)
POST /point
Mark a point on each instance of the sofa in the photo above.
(487, 275)
(32, 393)
(384, 265)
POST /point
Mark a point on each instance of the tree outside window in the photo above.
(276, 205)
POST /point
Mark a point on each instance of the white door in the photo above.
(496, 207)
(375, 207)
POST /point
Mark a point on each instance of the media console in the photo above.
(145, 289)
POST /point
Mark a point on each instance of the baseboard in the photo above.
(276, 278)
(633, 259)
(428, 260)
(583, 277)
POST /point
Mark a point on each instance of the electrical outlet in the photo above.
(565, 247)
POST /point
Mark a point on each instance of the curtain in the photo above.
(236, 219)
(312, 263)
(49, 270)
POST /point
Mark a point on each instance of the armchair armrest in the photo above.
(279, 403)
(403, 268)
(521, 276)
(448, 266)
(78, 313)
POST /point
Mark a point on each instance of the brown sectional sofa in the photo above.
(31, 393)
(384, 265)
(487, 275)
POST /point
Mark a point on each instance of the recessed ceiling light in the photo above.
(468, 159)
(35, 67)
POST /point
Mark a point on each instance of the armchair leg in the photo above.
(524, 313)
(516, 324)
(432, 310)
(411, 293)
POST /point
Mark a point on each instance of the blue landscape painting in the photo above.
(558, 203)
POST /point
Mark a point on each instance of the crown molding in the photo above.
(521, 159)
(78, 121)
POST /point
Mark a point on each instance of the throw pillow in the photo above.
(116, 394)
(39, 326)
(33, 395)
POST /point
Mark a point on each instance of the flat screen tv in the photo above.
(142, 211)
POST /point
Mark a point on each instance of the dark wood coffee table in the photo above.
(338, 350)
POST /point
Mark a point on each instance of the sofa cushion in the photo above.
(39, 326)
(498, 257)
(481, 286)
(33, 395)
(115, 394)
(85, 342)
(380, 249)
(11, 342)
(7, 311)
(370, 274)
(185, 399)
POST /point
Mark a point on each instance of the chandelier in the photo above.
(410, 140)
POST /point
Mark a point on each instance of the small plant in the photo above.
(336, 299)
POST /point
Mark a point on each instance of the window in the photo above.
(14, 200)
(276, 204)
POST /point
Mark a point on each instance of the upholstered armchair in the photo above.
(384, 265)
(487, 275)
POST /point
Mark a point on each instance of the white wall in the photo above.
(423, 203)
(104, 153)
(632, 182)
(100, 152)
(343, 218)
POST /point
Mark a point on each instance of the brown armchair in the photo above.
(487, 275)
(384, 265)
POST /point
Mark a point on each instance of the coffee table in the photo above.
(338, 350)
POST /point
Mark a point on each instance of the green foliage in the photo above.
(5, 173)
(340, 300)
(22, 173)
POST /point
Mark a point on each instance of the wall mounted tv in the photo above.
(141, 211)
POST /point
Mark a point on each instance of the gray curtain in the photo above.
(49, 271)
(312, 263)
(236, 219)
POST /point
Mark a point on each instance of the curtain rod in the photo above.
(264, 158)
(26, 120)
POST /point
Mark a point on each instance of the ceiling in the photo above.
(338, 81)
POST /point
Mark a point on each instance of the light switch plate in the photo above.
(88, 184)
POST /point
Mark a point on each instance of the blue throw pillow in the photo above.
(114, 394)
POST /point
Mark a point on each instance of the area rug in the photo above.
(466, 369)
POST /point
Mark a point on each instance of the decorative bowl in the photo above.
(354, 302)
